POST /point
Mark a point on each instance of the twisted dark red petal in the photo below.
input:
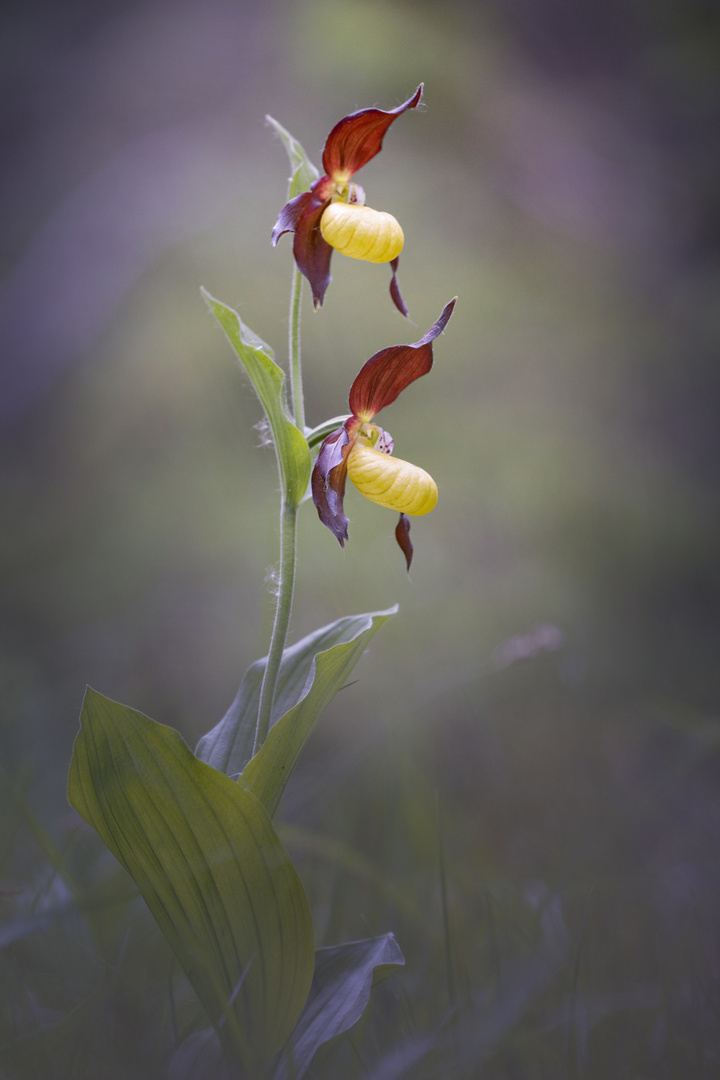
(328, 484)
(395, 289)
(402, 535)
(312, 253)
(390, 371)
(358, 137)
(291, 213)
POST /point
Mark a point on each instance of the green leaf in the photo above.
(268, 379)
(316, 435)
(267, 774)
(206, 858)
(344, 976)
(303, 170)
(228, 746)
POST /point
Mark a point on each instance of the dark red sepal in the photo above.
(357, 138)
(390, 371)
(328, 484)
(395, 289)
(402, 535)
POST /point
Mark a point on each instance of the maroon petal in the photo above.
(307, 202)
(390, 371)
(402, 535)
(291, 213)
(358, 137)
(312, 254)
(328, 484)
(395, 289)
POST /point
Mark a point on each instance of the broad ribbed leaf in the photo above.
(344, 976)
(206, 858)
(228, 746)
(267, 774)
(268, 379)
(303, 170)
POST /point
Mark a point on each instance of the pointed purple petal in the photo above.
(291, 214)
(395, 289)
(437, 327)
(328, 484)
(312, 254)
(402, 535)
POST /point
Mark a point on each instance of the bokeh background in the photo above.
(523, 783)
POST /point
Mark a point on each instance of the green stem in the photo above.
(295, 359)
(288, 536)
(286, 586)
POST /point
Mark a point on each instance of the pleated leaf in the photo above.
(267, 774)
(303, 170)
(206, 858)
(268, 380)
(344, 976)
(228, 746)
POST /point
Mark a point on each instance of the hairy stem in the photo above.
(288, 536)
(298, 404)
(286, 586)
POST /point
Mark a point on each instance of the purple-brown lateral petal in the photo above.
(395, 289)
(328, 484)
(291, 213)
(402, 535)
(357, 138)
(390, 371)
(312, 254)
(307, 202)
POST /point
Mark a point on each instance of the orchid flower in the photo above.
(332, 214)
(362, 450)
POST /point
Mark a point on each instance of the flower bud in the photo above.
(361, 232)
(390, 481)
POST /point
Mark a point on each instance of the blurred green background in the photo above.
(523, 783)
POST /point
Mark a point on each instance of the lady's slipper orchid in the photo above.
(361, 450)
(332, 214)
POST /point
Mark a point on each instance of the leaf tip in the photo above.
(90, 695)
(208, 298)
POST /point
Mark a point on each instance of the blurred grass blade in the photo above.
(267, 774)
(228, 746)
(199, 1057)
(346, 858)
(268, 379)
(344, 976)
(54, 1046)
(303, 170)
(208, 862)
